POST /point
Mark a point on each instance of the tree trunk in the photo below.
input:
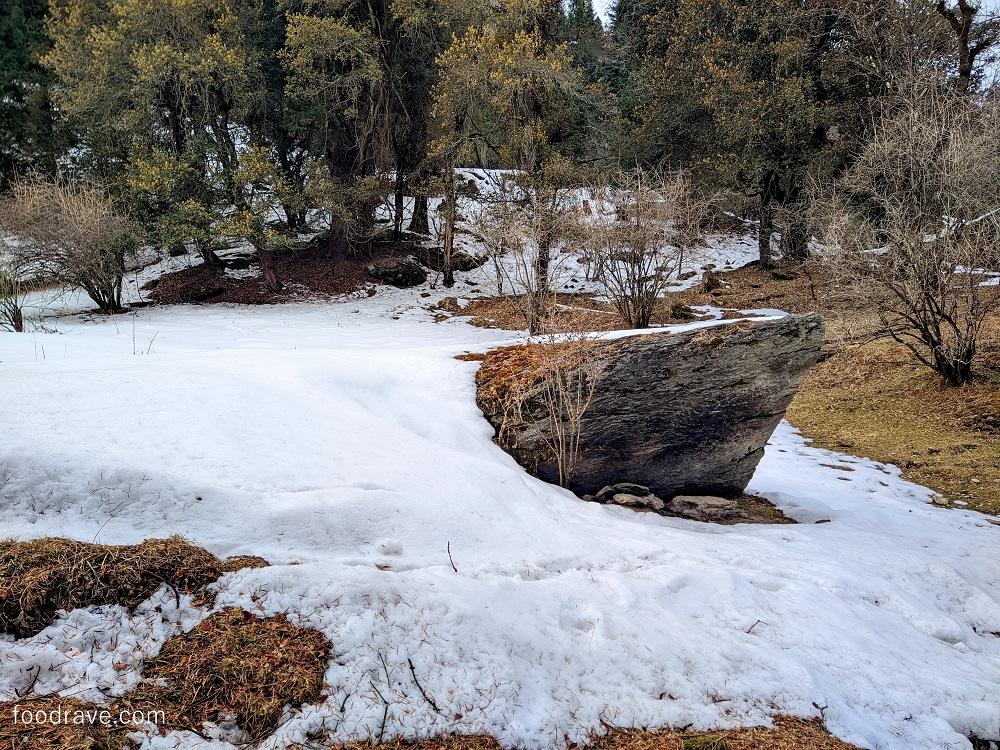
(271, 280)
(961, 23)
(540, 292)
(208, 255)
(337, 243)
(398, 206)
(764, 231)
(451, 213)
(419, 222)
(294, 218)
(795, 240)
(18, 320)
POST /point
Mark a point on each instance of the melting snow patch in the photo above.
(330, 435)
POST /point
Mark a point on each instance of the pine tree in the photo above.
(31, 136)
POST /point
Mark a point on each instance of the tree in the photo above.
(760, 72)
(508, 97)
(159, 98)
(31, 134)
(975, 33)
(915, 222)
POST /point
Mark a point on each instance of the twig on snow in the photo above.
(420, 687)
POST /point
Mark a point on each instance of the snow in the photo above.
(341, 440)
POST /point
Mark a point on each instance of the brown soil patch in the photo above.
(41, 577)
(759, 510)
(305, 272)
(235, 667)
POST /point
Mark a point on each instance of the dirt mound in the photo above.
(41, 577)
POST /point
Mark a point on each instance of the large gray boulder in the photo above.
(681, 414)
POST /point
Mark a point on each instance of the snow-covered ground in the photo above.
(341, 441)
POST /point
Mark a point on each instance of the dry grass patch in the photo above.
(241, 562)
(41, 577)
(510, 372)
(786, 734)
(17, 733)
(235, 667)
(571, 313)
(873, 401)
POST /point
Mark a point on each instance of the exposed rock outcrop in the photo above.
(679, 414)
(400, 272)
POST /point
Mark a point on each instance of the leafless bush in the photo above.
(916, 222)
(71, 233)
(555, 386)
(11, 296)
(522, 229)
(569, 378)
(639, 246)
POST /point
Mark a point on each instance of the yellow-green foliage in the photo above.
(500, 89)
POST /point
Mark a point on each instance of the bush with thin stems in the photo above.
(637, 247)
(12, 290)
(552, 383)
(71, 233)
(914, 225)
(523, 229)
(569, 380)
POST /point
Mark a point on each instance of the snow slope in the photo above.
(343, 437)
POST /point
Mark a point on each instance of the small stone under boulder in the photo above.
(628, 494)
(704, 508)
(399, 272)
(680, 414)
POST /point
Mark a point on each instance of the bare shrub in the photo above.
(551, 381)
(522, 228)
(569, 379)
(71, 233)
(915, 225)
(12, 291)
(637, 248)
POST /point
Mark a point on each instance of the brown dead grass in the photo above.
(40, 577)
(507, 374)
(235, 666)
(786, 734)
(873, 401)
(571, 313)
(241, 562)
(59, 735)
